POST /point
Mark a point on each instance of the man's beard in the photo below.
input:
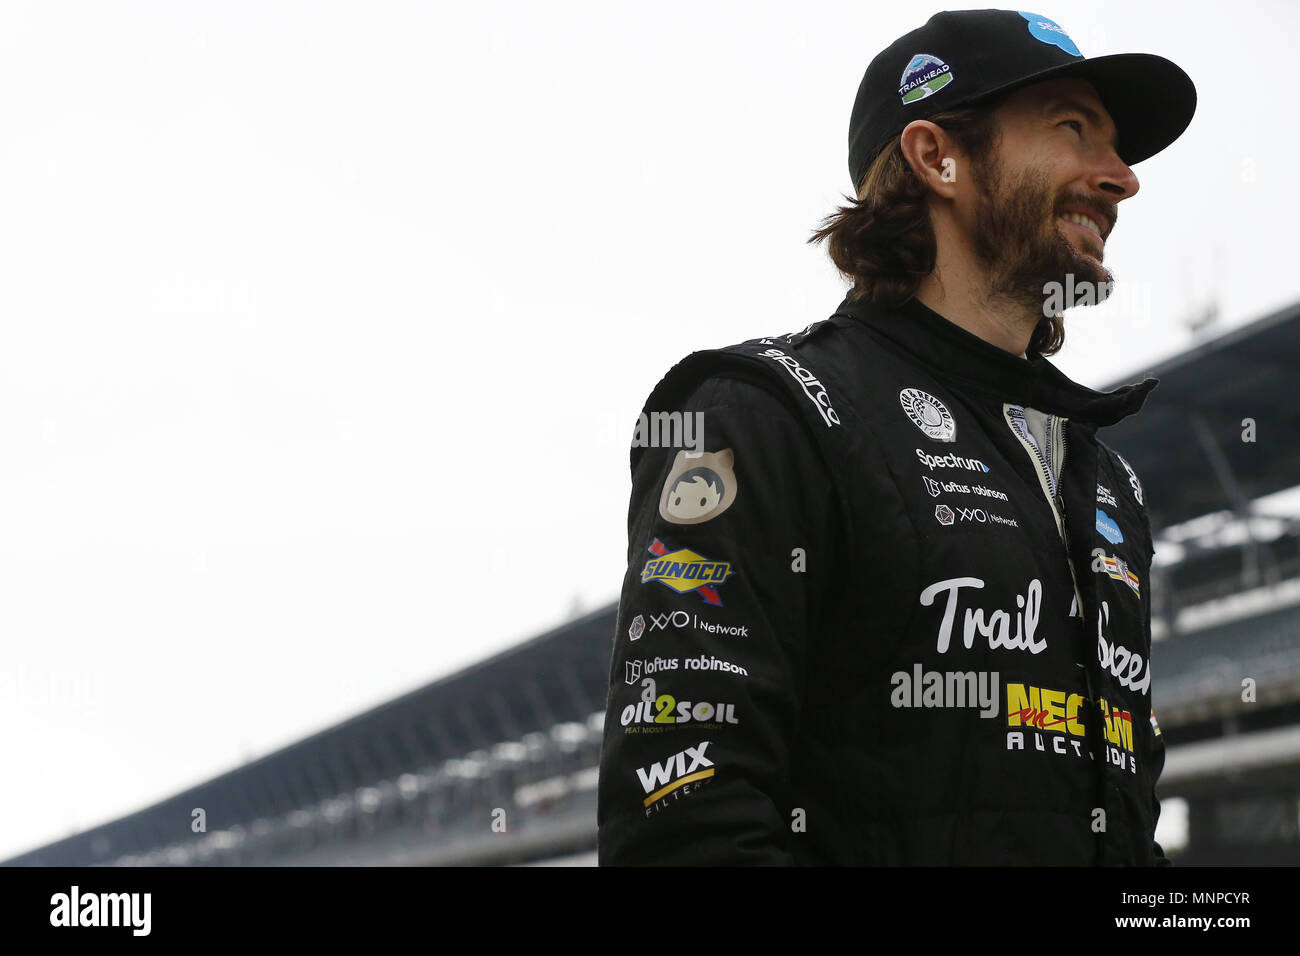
(1019, 244)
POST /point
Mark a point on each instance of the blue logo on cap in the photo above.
(1107, 528)
(1045, 30)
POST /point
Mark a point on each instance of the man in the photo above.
(898, 611)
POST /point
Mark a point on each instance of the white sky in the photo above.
(325, 325)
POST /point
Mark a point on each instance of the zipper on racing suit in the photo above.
(1055, 441)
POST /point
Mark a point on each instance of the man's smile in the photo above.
(1079, 219)
(1086, 228)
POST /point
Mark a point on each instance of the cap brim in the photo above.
(1150, 98)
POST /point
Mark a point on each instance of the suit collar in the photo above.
(954, 354)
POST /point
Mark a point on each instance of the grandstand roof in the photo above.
(531, 688)
(1205, 393)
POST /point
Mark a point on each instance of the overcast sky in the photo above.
(325, 325)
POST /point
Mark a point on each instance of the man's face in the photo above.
(1053, 166)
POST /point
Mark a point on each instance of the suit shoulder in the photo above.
(1125, 472)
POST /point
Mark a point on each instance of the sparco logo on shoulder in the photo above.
(812, 386)
(928, 414)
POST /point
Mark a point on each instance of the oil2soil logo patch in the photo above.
(699, 487)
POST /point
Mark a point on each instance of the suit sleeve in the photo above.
(1154, 749)
(1155, 757)
(1154, 753)
(711, 652)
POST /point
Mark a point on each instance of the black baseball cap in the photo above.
(961, 57)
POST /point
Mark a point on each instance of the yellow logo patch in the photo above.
(684, 570)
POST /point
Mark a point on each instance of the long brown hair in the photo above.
(883, 241)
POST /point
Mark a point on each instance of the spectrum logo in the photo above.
(950, 461)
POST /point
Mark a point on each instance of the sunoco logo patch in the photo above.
(924, 76)
(684, 571)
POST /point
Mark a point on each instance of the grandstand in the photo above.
(497, 764)
(1218, 449)
(413, 782)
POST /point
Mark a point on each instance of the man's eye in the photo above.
(1075, 123)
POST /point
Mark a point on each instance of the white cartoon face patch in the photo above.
(699, 487)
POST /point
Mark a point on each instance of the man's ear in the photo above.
(933, 157)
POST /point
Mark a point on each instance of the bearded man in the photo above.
(908, 619)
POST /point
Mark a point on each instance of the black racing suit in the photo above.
(893, 609)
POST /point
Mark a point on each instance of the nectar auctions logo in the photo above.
(683, 571)
(1060, 715)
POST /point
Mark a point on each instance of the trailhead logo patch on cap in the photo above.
(1048, 31)
(925, 75)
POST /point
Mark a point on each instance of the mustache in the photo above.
(1100, 210)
